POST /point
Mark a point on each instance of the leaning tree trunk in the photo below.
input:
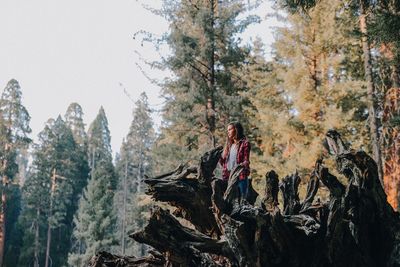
(355, 227)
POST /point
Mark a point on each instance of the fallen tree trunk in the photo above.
(354, 227)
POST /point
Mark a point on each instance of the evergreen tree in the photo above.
(272, 109)
(35, 197)
(95, 218)
(14, 130)
(384, 33)
(74, 120)
(378, 23)
(134, 162)
(50, 196)
(312, 84)
(364, 10)
(206, 62)
(14, 231)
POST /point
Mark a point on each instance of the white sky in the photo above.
(64, 51)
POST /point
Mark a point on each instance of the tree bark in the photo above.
(3, 222)
(373, 121)
(211, 116)
(36, 245)
(48, 243)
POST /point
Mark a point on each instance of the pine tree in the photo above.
(378, 22)
(364, 10)
(271, 113)
(95, 218)
(14, 231)
(134, 162)
(14, 130)
(74, 120)
(35, 197)
(50, 195)
(206, 62)
(68, 175)
(312, 84)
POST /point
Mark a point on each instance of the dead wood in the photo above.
(354, 227)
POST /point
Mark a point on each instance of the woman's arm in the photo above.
(246, 155)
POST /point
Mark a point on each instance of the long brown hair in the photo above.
(239, 135)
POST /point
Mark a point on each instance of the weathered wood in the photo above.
(290, 191)
(354, 227)
(105, 259)
(184, 246)
(306, 206)
(191, 196)
(270, 199)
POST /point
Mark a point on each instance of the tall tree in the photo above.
(74, 120)
(363, 10)
(50, 193)
(311, 85)
(14, 124)
(133, 163)
(206, 61)
(35, 197)
(384, 25)
(95, 218)
(371, 90)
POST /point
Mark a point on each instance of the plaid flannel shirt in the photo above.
(242, 157)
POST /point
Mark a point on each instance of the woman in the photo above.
(236, 152)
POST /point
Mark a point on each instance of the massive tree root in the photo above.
(354, 227)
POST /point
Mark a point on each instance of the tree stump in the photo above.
(355, 227)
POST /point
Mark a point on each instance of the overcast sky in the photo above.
(64, 51)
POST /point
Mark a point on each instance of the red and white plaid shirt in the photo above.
(242, 157)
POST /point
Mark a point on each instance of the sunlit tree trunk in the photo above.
(373, 123)
(391, 147)
(391, 137)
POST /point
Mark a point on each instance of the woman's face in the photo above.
(231, 132)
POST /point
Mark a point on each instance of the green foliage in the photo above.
(16, 117)
(206, 61)
(133, 163)
(95, 218)
(99, 142)
(14, 127)
(14, 130)
(14, 232)
(48, 202)
(74, 120)
(306, 89)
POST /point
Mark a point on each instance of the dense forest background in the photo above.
(335, 65)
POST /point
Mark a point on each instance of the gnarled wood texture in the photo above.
(355, 227)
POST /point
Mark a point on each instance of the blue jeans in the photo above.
(243, 188)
